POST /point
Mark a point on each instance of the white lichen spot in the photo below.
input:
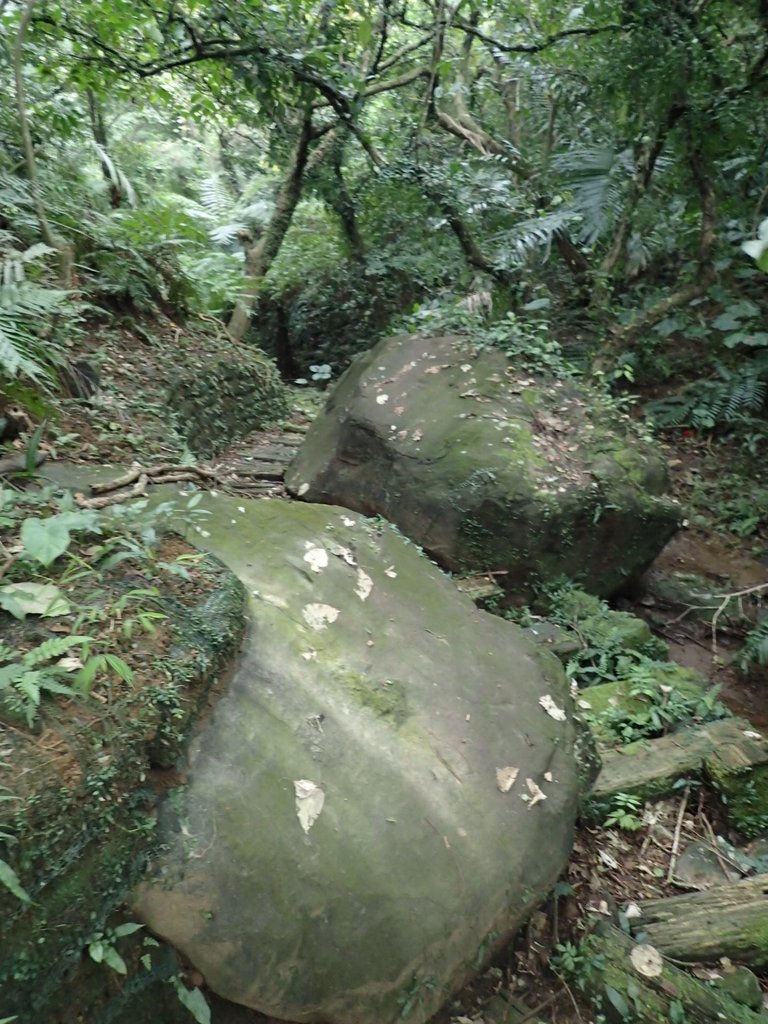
(347, 521)
(318, 616)
(647, 960)
(390, 571)
(381, 399)
(241, 508)
(316, 557)
(309, 655)
(303, 488)
(364, 585)
(417, 435)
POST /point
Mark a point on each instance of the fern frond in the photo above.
(755, 649)
(216, 196)
(225, 234)
(53, 648)
(705, 403)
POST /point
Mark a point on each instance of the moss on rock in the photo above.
(489, 469)
(221, 400)
(86, 828)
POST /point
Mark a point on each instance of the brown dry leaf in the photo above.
(309, 802)
(536, 794)
(505, 778)
(551, 708)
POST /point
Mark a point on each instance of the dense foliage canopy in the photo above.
(334, 165)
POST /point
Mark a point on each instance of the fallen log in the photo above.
(631, 981)
(725, 752)
(725, 921)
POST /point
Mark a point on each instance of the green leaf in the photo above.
(45, 539)
(43, 599)
(10, 880)
(96, 951)
(119, 667)
(85, 677)
(126, 929)
(113, 959)
(726, 322)
(618, 1001)
(364, 32)
(194, 1000)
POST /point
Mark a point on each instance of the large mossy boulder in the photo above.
(489, 468)
(384, 793)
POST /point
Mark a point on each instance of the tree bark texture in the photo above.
(725, 921)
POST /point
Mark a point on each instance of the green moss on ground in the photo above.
(86, 828)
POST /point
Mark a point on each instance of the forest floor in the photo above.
(126, 422)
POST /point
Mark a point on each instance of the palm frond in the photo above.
(513, 245)
(595, 178)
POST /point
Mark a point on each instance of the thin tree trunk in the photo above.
(64, 249)
(344, 207)
(260, 257)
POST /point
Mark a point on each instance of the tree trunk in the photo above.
(64, 249)
(99, 132)
(260, 257)
(727, 920)
(282, 342)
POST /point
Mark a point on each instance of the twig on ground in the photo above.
(139, 489)
(537, 1009)
(715, 849)
(676, 837)
(167, 472)
(724, 604)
